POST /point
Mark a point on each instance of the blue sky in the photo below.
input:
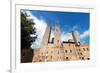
(65, 19)
(68, 21)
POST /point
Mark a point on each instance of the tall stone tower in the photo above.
(57, 39)
(76, 37)
(46, 37)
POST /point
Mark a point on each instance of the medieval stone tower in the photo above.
(46, 37)
(57, 37)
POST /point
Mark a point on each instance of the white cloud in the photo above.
(40, 26)
(66, 36)
(84, 34)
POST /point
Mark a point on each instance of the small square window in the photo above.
(84, 49)
(70, 51)
(66, 51)
(79, 49)
(87, 49)
(46, 57)
(51, 57)
(88, 58)
(82, 58)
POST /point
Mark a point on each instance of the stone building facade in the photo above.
(58, 50)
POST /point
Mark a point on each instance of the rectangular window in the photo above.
(58, 52)
(78, 53)
(66, 58)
